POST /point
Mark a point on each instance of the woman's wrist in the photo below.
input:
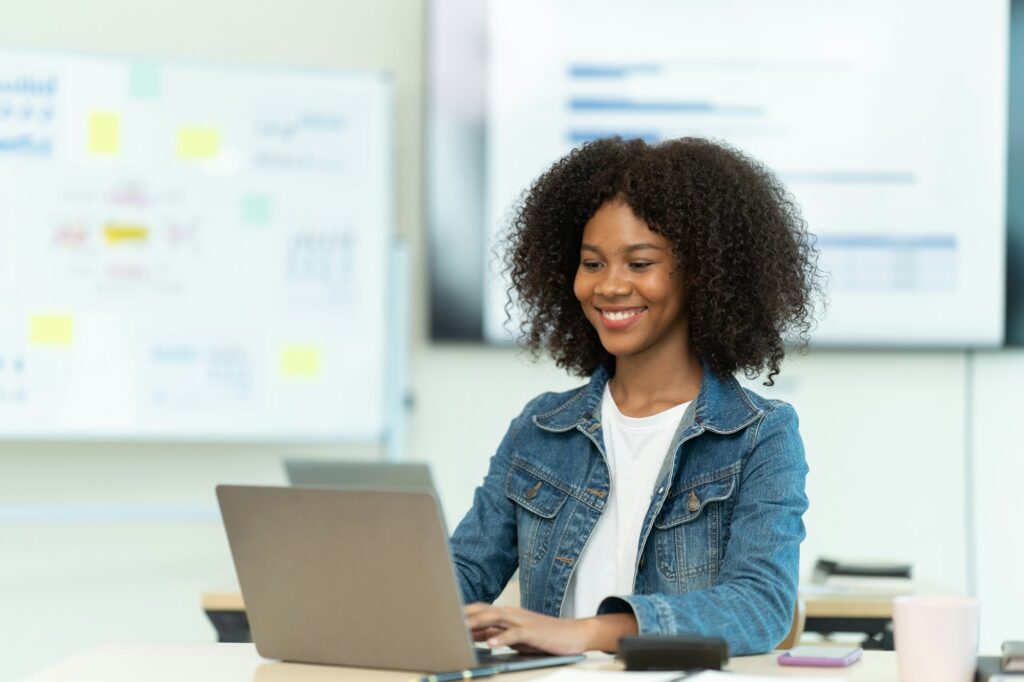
(605, 630)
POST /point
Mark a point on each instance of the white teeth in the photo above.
(619, 315)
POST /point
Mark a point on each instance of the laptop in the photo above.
(316, 473)
(351, 577)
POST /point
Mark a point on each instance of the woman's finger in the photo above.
(481, 634)
(497, 616)
(507, 637)
(483, 620)
(526, 639)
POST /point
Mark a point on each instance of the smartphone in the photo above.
(824, 656)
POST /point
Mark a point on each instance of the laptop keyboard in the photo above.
(486, 658)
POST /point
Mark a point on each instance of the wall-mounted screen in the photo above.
(192, 251)
(893, 144)
(1015, 182)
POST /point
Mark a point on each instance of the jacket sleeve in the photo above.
(751, 605)
(485, 546)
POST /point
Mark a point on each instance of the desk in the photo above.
(857, 605)
(867, 612)
(226, 611)
(241, 663)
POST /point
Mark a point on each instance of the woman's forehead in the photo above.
(616, 225)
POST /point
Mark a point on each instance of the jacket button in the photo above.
(642, 562)
(693, 504)
(532, 492)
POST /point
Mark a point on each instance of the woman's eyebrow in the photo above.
(632, 247)
(641, 247)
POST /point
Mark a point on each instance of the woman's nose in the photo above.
(613, 284)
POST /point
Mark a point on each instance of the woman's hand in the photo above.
(528, 631)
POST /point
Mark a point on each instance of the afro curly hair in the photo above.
(748, 259)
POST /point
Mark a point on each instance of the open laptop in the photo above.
(351, 577)
(317, 473)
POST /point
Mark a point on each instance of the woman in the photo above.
(661, 497)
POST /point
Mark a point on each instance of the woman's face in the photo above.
(629, 285)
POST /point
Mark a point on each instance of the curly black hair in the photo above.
(748, 259)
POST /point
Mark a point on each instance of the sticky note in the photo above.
(116, 233)
(256, 209)
(51, 330)
(104, 133)
(301, 362)
(144, 80)
(198, 143)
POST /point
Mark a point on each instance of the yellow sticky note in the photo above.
(116, 233)
(198, 143)
(104, 133)
(300, 361)
(51, 330)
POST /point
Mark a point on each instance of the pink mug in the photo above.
(936, 637)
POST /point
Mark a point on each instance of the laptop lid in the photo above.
(347, 577)
(348, 474)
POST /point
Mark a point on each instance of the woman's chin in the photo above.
(619, 348)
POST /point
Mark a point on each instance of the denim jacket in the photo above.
(719, 548)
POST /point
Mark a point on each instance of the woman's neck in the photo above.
(644, 386)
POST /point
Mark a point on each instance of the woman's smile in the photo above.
(619, 319)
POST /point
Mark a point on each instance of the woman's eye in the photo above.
(590, 264)
(641, 265)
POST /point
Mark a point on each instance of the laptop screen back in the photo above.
(341, 474)
(347, 577)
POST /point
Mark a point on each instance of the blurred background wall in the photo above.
(914, 455)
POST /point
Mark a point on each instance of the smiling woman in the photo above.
(632, 291)
(661, 497)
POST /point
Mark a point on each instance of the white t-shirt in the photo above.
(636, 448)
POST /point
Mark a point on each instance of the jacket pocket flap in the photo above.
(691, 499)
(534, 492)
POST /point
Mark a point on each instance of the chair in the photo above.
(510, 596)
(796, 630)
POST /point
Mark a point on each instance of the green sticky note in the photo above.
(256, 209)
(144, 80)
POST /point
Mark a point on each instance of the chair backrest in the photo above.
(796, 630)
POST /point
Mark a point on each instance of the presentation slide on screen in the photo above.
(886, 121)
(191, 251)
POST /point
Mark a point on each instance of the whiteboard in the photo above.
(192, 251)
(893, 144)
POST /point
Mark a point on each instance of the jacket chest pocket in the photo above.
(690, 530)
(538, 500)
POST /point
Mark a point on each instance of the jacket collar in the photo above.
(722, 406)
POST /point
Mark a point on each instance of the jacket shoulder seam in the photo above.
(776, 404)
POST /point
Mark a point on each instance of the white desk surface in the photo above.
(241, 663)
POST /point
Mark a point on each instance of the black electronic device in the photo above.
(826, 568)
(649, 652)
